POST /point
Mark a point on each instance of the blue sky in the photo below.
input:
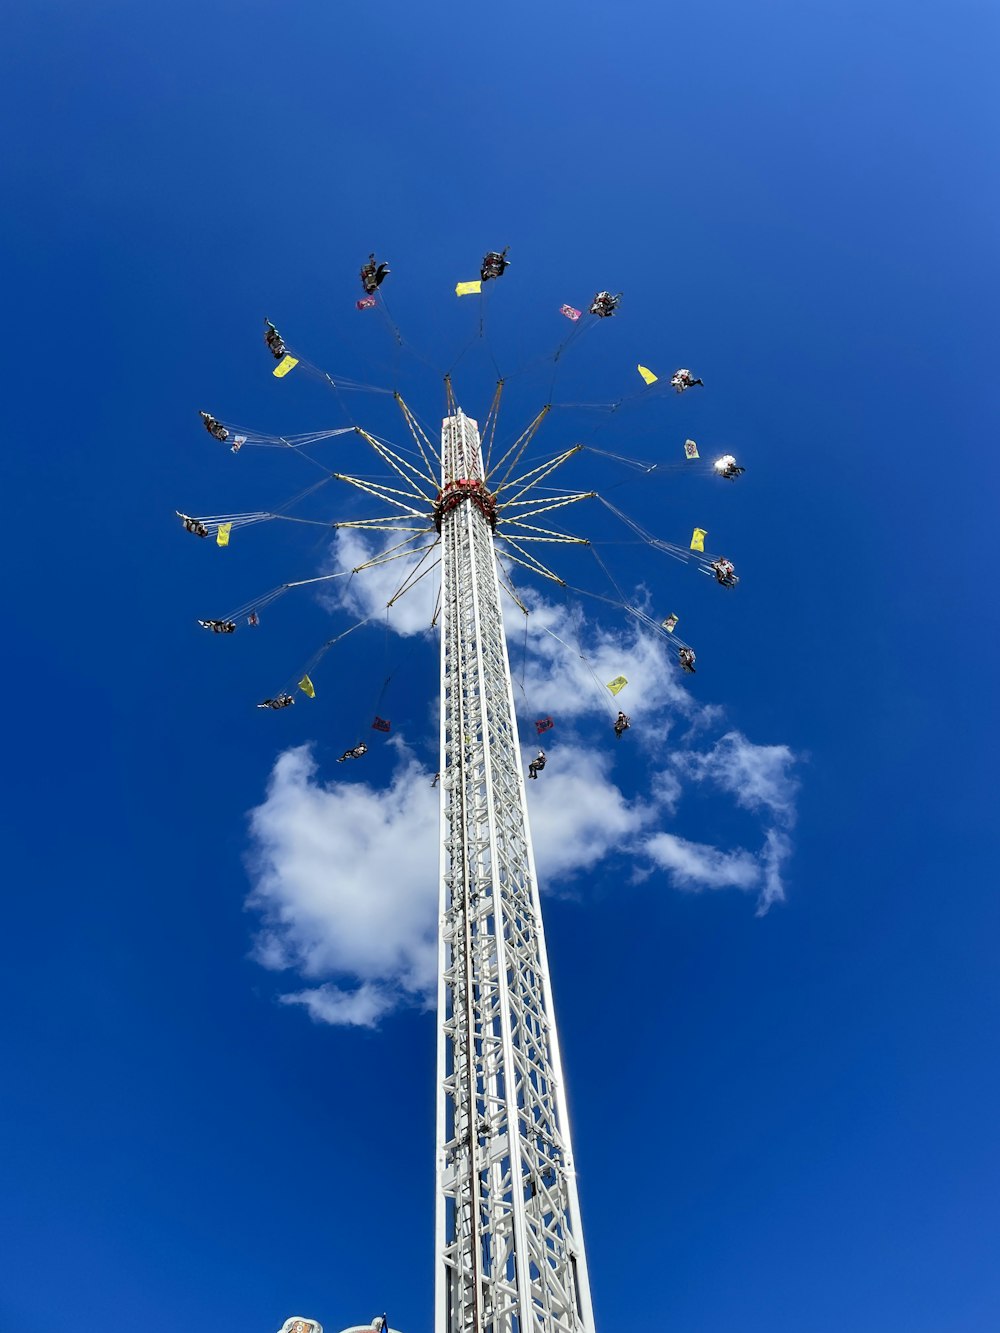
(799, 202)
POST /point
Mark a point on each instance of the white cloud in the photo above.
(777, 850)
(361, 1008)
(346, 878)
(760, 779)
(666, 789)
(696, 865)
(340, 888)
(345, 875)
(578, 816)
(759, 776)
(570, 660)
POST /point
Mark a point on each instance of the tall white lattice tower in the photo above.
(509, 1242)
(510, 1252)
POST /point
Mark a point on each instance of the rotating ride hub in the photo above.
(466, 488)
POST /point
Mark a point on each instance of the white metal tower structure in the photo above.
(509, 1241)
(510, 1256)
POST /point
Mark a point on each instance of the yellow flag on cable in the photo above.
(698, 539)
(468, 288)
(222, 536)
(286, 364)
(691, 449)
(670, 624)
(618, 684)
(307, 687)
(647, 374)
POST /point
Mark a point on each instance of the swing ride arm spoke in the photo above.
(377, 487)
(532, 508)
(413, 578)
(386, 558)
(539, 473)
(490, 426)
(420, 439)
(519, 446)
(529, 562)
(399, 465)
(383, 493)
(508, 586)
(550, 535)
(389, 524)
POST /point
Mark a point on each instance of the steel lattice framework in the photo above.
(509, 1241)
(510, 1252)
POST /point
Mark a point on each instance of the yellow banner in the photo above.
(618, 684)
(307, 687)
(286, 364)
(698, 539)
(647, 374)
(468, 288)
(222, 536)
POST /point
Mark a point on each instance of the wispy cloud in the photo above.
(758, 776)
(697, 865)
(761, 779)
(359, 1008)
(345, 874)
